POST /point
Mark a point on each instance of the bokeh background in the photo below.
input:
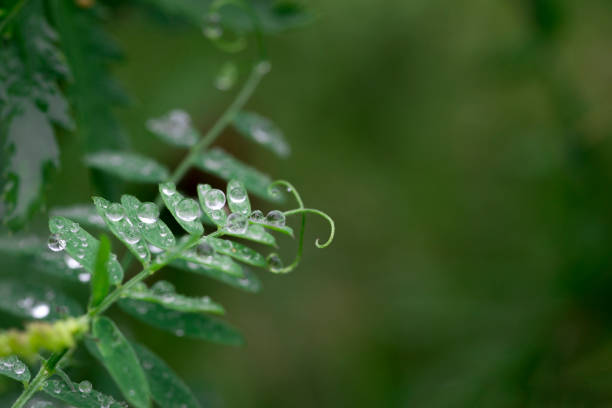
(463, 150)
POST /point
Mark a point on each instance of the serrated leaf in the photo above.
(82, 213)
(34, 302)
(215, 261)
(128, 166)
(100, 281)
(163, 293)
(167, 389)
(220, 163)
(255, 233)
(262, 131)
(249, 282)
(216, 215)
(114, 215)
(236, 250)
(174, 128)
(121, 362)
(145, 216)
(14, 368)
(71, 395)
(185, 211)
(82, 247)
(238, 198)
(182, 324)
(35, 253)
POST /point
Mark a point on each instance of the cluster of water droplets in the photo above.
(35, 308)
(126, 230)
(274, 218)
(83, 390)
(13, 365)
(186, 209)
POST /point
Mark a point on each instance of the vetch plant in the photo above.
(209, 235)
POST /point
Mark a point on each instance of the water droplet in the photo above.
(274, 262)
(71, 262)
(188, 210)
(214, 199)
(237, 194)
(85, 387)
(237, 223)
(162, 287)
(19, 368)
(263, 67)
(257, 216)
(56, 243)
(205, 249)
(131, 234)
(84, 277)
(115, 212)
(168, 188)
(154, 249)
(40, 311)
(276, 218)
(148, 213)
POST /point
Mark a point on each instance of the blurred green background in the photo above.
(463, 150)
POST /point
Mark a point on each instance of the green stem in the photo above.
(11, 14)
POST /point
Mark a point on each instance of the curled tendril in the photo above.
(290, 188)
(332, 225)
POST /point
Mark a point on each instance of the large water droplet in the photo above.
(274, 262)
(205, 249)
(85, 387)
(237, 223)
(257, 216)
(214, 199)
(19, 368)
(115, 212)
(131, 234)
(148, 213)
(237, 194)
(187, 209)
(56, 243)
(275, 218)
(168, 188)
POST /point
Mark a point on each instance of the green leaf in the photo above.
(163, 293)
(121, 362)
(14, 368)
(81, 246)
(34, 302)
(185, 211)
(211, 205)
(167, 389)
(114, 215)
(213, 260)
(255, 233)
(263, 131)
(248, 283)
(174, 128)
(238, 198)
(275, 220)
(128, 166)
(220, 163)
(82, 213)
(236, 250)
(37, 256)
(100, 282)
(182, 324)
(145, 216)
(73, 396)
(30, 102)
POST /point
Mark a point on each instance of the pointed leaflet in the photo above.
(237, 198)
(248, 283)
(182, 324)
(167, 389)
(220, 163)
(185, 211)
(114, 216)
(30, 102)
(73, 396)
(213, 260)
(254, 233)
(145, 216)
(174, 128)
(100, 282)
(214, 212)
(14, 368)
(35, 302)
(128, 166)
(82, 246)
(82, 213)
(163, 293)
(121, 362)
(235, 250)
(261, 130)
(37, 256)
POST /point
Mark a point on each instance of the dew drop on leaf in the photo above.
(148, 213)
(214, 199)
(275, 218)
(237, 223)
(188, 210)
(40, 311)
(71, 262)
(85, 387)
(274, 262)
(56, 243)
(115, 212)
(257, 216)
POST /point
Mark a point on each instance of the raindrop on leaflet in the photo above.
(40, 311)
(205, 249)
(56, 243)
(237, 194)
(84, 277)
(237, 223)
(187, 210)
(85, 387)
(71, 262)
(19, 368)
(168, 189)
(163, 288)
(275, 218)
(274, 262)
(214, 199)
(148, 213)
(257, 216)
(131, 234)
(114, 212)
